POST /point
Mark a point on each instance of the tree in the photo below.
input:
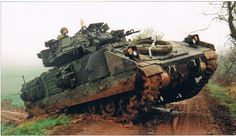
(228, 14)
(148, 32)
(226, 72)
(223, 11)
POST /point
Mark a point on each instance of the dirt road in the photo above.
(13, 116)
(195, 118)
(189, 117)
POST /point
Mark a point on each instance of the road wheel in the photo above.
(127, 107)
(108, 108)
(90, 109)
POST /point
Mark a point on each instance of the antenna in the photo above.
(23, 78)
(82, 23)
(154, 38)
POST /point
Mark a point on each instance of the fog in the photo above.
(25, 26)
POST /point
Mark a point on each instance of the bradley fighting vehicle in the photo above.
(100, 71)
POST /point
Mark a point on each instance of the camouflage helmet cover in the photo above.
(63, 29)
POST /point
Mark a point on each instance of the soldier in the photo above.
(64, 32)
(192, 40)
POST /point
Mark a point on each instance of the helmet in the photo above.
(64, 30)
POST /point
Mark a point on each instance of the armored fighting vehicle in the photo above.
(100, 71)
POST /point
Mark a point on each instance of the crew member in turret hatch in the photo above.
(64, 32)
(192, 40)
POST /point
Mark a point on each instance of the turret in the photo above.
(88, 39)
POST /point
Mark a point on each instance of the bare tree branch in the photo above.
(210, 14)
(232, 28)
(203, 29)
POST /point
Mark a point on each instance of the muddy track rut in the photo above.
(194, 118)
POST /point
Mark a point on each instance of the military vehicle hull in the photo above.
(110, 83)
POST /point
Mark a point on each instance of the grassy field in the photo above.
(35, 127)
(11, 82)
(223, 96)
(11, 77)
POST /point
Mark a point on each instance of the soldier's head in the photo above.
(195, 37)
(64, 31)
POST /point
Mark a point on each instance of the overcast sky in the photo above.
(25, 26)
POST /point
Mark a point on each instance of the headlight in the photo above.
(135, 53)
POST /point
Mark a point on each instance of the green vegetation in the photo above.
(220, 93)
(7, 126)
(14, 99)
(35, 127)
(11, 82)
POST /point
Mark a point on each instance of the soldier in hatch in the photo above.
(192, 40)
(64, 32)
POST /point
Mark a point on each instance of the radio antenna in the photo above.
(23, 78)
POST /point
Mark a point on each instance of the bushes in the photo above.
(226, 71)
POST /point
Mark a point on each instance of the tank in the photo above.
(100, 71)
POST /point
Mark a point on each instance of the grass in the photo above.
(14, 99)
(221, 94)
(35, 127)
(7, 126)
(11, 77)
(11, 82)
